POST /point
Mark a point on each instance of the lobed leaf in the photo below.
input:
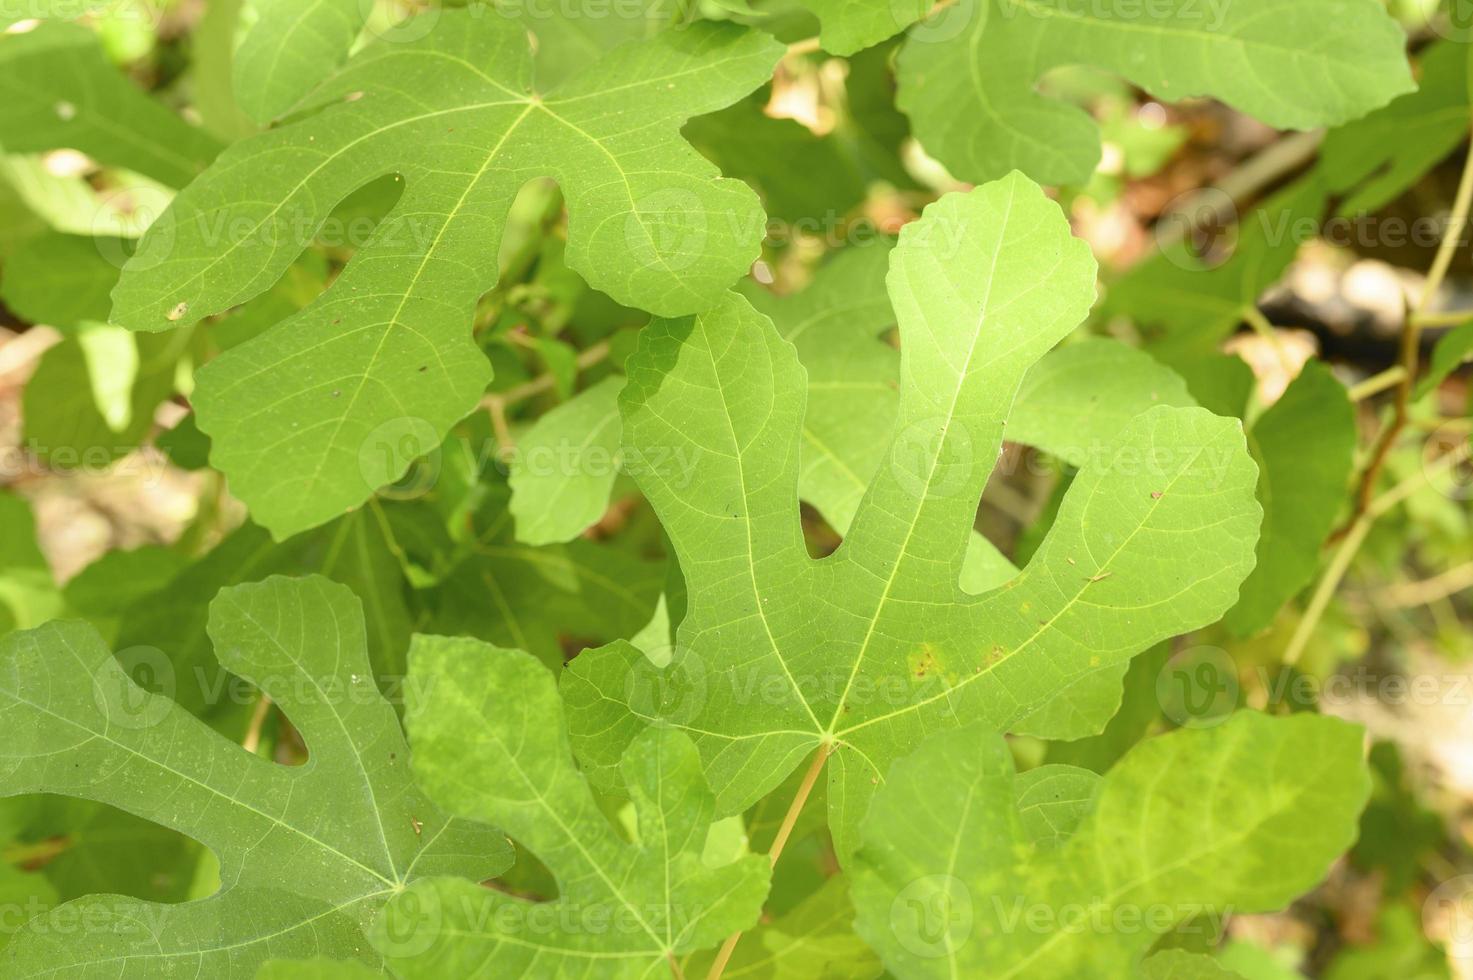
(1241, 818)
(313, 416)
(308, 856)
(864, 653)
(624, 909)
(968, 78)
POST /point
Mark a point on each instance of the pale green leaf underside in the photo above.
(313, 416)
(874, 647)
(308, 856)
(1243, 817)
(490, 744)
(1071, 404)
(971, 90)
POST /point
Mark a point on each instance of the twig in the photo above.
(545, 381)
(1411, 346)
(1407, 595)
(1446, 318)
(1354, 537)
(252, 741)
(1377, 383)
(1265, 329)
(810, 778)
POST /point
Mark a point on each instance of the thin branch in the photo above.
(1378, 383)
(1354, 537)
(546, 381)
(1407, 595)
(1411, 345)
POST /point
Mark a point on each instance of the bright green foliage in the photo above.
(970, 90)
(1304, 446)
(1243, 817)
(57, 90)
(1453, 349)
(624, 908)
(317, 413)
(1175, 964)
(291, 48)
(565, 466)
(849, 25)
(1386, 152)
(1189, 302)
(1051, 800)
(353, 551)
(316, 969)
(867, 651)
(1070, 404)
(307, 856)
(816, 939)
(28, 596)
(511, 594)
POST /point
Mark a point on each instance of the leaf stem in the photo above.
(1377, 383)
(1445, 318)
(790, 820)
(1261, 326)
(545, 382)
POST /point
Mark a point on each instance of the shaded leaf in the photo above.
(307, 856)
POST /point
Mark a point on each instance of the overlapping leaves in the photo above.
(308, 856)
(623, 909)
(317, 413)
(1241, 818)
